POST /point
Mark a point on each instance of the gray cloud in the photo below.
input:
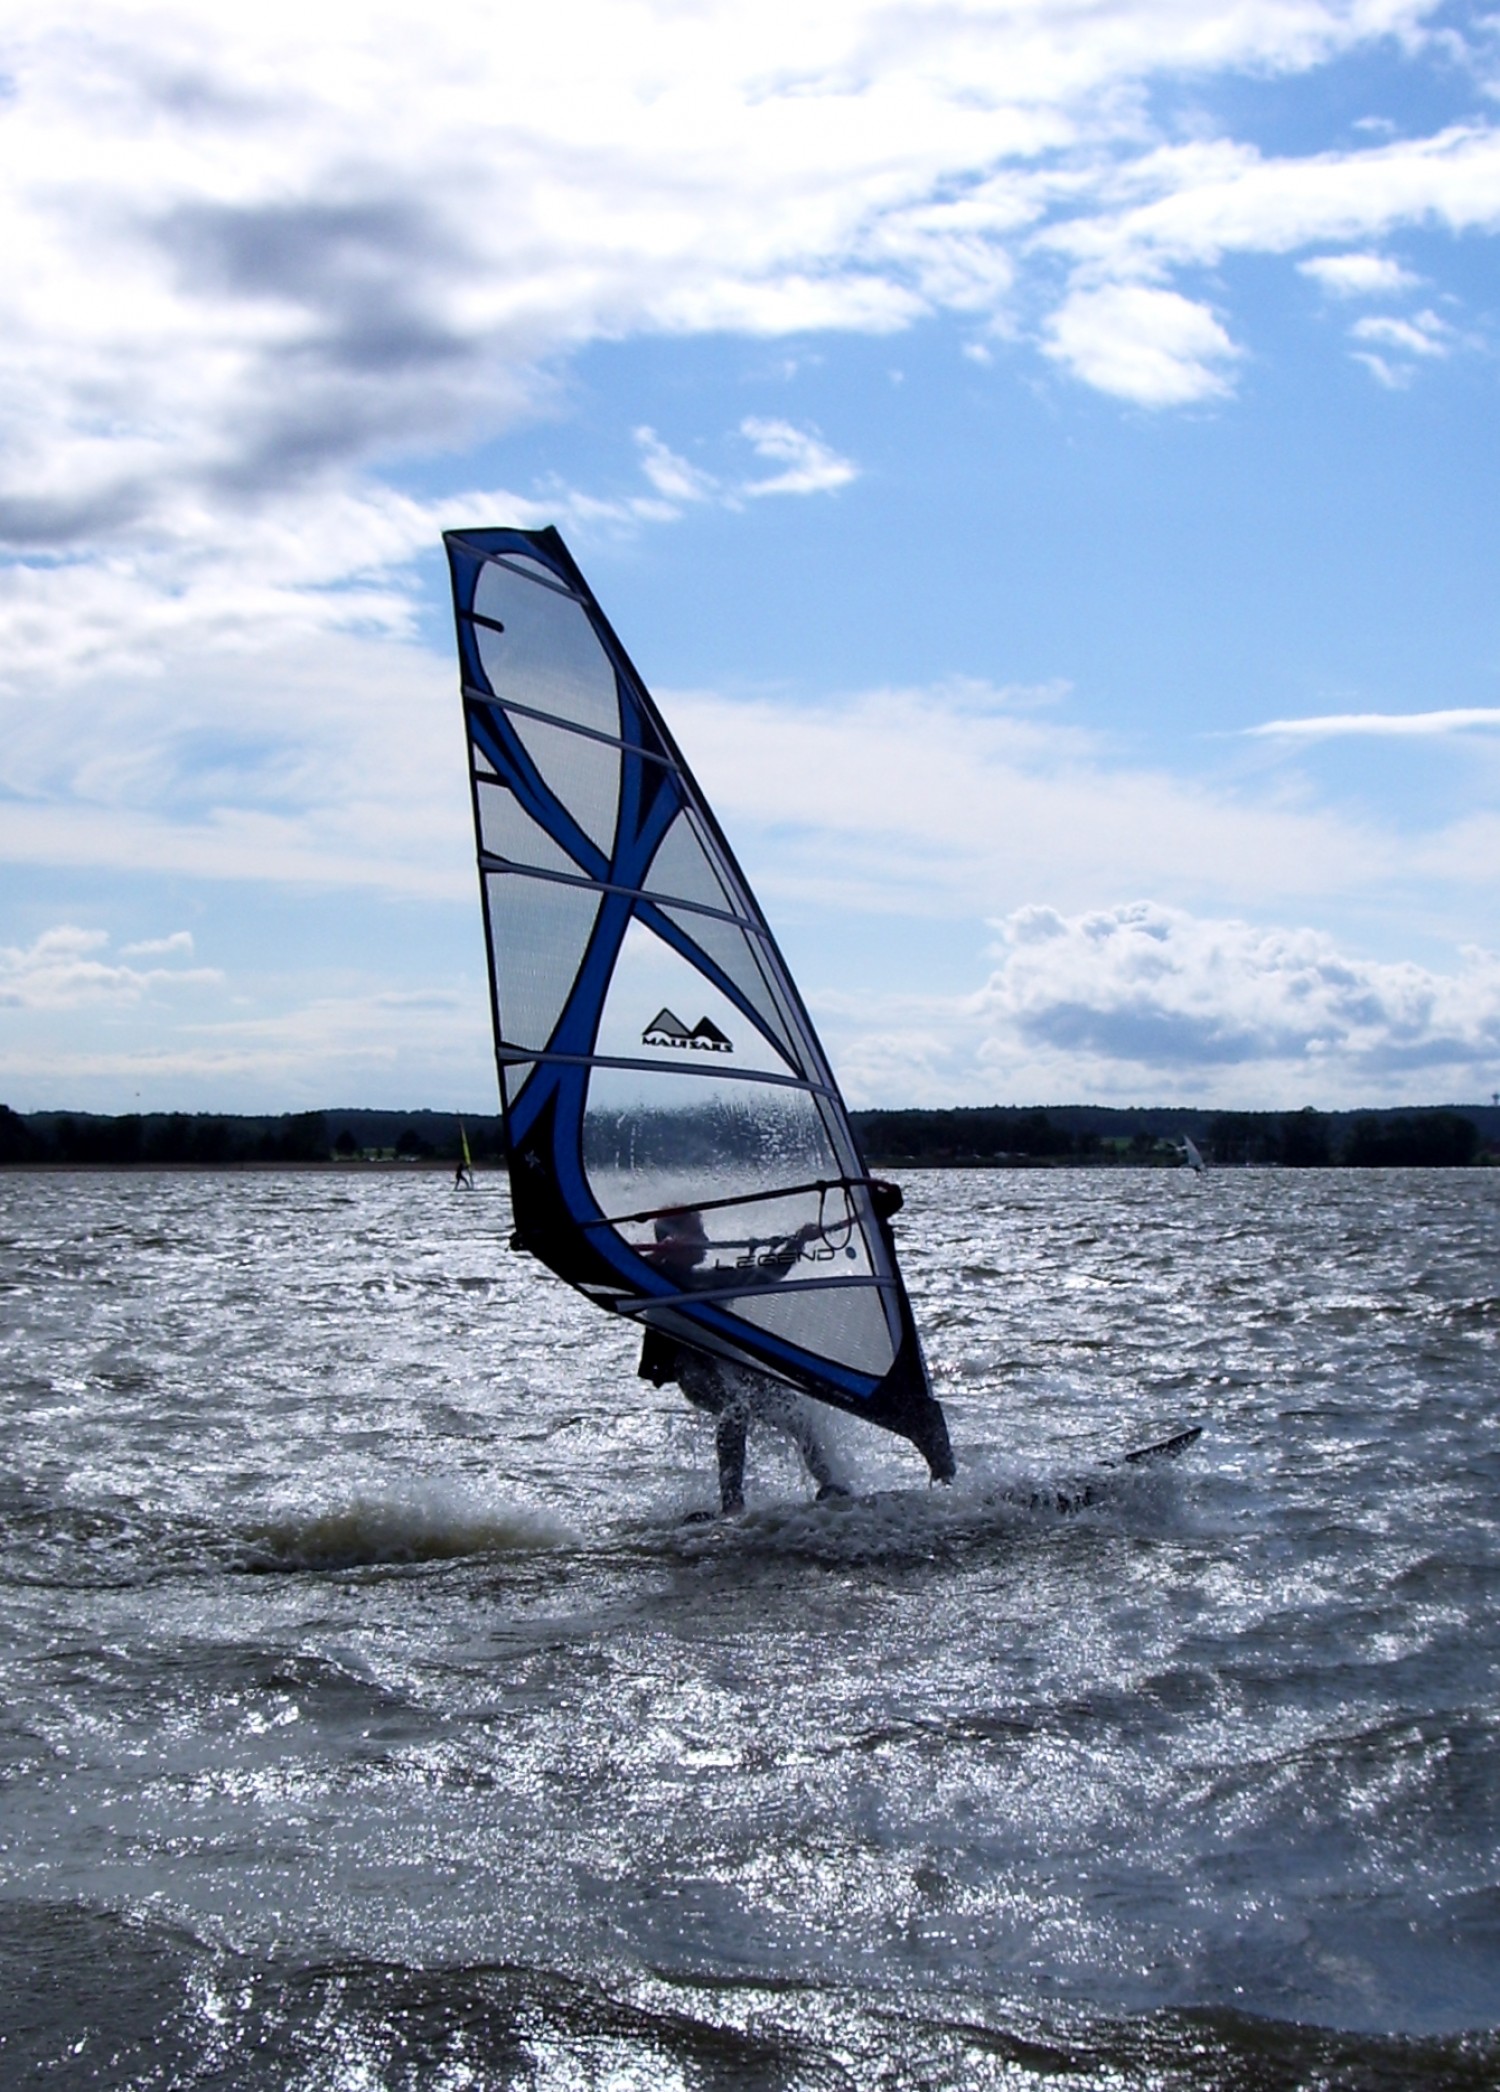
(324, 256)
(1168, 994)
(42, 523)
(243, 254)
(1144, 1004)
(369, 362)
(1154, 1037)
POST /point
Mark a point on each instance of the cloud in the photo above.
(809, 466)
(673, 477)
(900, 815)
(62, 971)
(1149, 1004)
(255, 253)
(1151, 346)
(271, 750)
(257, 263)
(1154, 991)
(1358, 275)
(318, 1047)
(154, 947)
(1191, 206)
(963, 800)
(1381, 725)
(1424, 335)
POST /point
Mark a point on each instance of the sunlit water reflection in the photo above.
(371, 1717)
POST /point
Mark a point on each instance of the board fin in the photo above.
(1165, 1448)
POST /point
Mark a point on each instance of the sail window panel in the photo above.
(844, 1323)
(662, 1008)
(548, 656)
(684, 869)
(841, 1249)
(523, 563)
(539, 932)
(840, 1138)
(654, 1139)
(750, 1243)
(738, 953)
(582, 775)
(506, 830)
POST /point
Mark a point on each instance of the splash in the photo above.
(431, 1524)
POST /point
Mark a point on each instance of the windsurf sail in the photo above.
(659, 1076)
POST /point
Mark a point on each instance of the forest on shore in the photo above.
(962, 1137)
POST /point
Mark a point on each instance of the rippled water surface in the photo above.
(371, 1717)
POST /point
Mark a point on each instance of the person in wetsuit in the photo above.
(732, 1394)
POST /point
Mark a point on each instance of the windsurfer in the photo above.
(732, 1394)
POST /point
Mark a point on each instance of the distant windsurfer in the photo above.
(733, 1394)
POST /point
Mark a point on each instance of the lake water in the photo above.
(371, 1718)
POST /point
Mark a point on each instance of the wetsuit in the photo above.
(733, 1394)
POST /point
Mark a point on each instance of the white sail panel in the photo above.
(845, 1322)
(543, 929)
(683, 870)
(548, 656)
(505, 830)
(745, 960)
(581, 773)
(652, 980)
(514, 1076)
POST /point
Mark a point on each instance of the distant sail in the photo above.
(654, 1054)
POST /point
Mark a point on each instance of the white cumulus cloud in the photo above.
(808, 465)
(1151, 992)
(1151, 346)
(1146, 1004)
(1358, 275)
(252, 251)
(64, 969)
(958, 798)
(1382, 725)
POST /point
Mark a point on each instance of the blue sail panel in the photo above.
(655, 1057)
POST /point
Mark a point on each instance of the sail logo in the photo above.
(666, 1029)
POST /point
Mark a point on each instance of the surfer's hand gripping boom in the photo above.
(782, 1251)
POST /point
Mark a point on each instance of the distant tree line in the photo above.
(986, 1137)
(1312, 1140)
(198, 1140)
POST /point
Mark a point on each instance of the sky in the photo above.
(1042, 456)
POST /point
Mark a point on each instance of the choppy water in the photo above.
(371, 1719)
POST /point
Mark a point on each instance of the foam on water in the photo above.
(424, 1523)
